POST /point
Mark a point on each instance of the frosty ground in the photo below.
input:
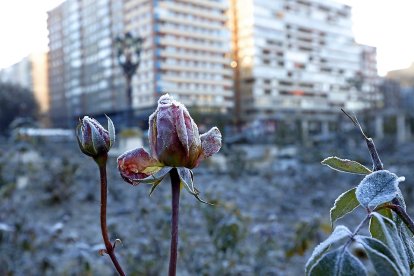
(269, 212)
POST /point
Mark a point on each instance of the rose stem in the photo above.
(104, 190)
(175, 202)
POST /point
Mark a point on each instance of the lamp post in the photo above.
(128, 51)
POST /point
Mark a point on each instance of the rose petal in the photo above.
(180, 126)
(195, 148)
(136, 165)
(211, 142)
(152, 134)
(169, 149)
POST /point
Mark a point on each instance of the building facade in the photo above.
(31, 73)
(367, 81)
(185, 53)
(405, 77)
(262, 59)
(84, 77)
(295, 57)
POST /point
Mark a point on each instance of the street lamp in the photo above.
(128, 52)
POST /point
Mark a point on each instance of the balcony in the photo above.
(219, 5)
(189, 22)
(169, 29)
(186, 56)
(180, 43)
(204, 13)
(187, 68)
(179, 79)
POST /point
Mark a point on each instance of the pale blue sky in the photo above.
(386, 24)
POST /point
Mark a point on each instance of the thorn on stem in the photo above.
(102, 252)
(116, 242)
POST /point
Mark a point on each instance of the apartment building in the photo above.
(295, 57)
(368, 80)
(185, 52)
(405, 77)
(263, 59)
(30, 73)
(84, 77)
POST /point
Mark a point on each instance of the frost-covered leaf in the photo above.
(374, 226)
(405, 234)
(345, 165)
(187, 180)
(338, 262)
(377, 188)
(385, 230)
(156, 177)
(111, 131)
(154, 185)
(383, 260)
(400, 198)
(339, 233)
(343, 205)
(407, 239)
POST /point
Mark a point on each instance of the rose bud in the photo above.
(174, 141)
(174, 137)
(93, 139)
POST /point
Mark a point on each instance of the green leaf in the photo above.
(345, 165)
(339, 233)
(383, 260)
(338, 262)
(343, 205)
(385, 230)
(375, 228)
(377, 188)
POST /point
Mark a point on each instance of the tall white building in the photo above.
(294, 57)
(84, 77)
(186, 52)
(264, 59)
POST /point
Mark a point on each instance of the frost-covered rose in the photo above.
(174, 142)
(174, 137)
(92, 138)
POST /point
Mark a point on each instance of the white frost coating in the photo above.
(111, 131)
(181, 129)
(165, 99)
(186, 178)
(338, 234)
(377, 188)
(211, 142)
